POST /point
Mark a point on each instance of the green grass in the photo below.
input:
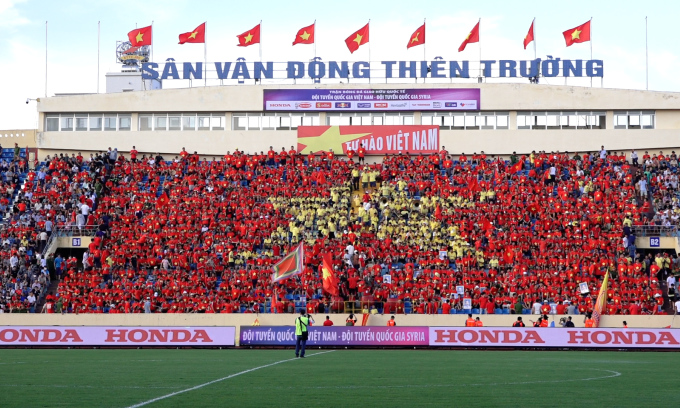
(342, 378)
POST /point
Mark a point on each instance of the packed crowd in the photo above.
(412, 232)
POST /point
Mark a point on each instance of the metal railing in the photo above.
(655, 231)
(72, 231)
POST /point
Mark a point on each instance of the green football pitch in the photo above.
(335, 378)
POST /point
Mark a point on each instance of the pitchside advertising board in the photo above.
(387, 139)
(344, 100)
(115, 336)
(465, 337)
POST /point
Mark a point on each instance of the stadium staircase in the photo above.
(8, 155)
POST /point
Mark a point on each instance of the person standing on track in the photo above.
(302, 333)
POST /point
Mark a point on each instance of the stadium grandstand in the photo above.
(164, 229)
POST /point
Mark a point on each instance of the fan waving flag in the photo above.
(530, 35)
(195, 36)
(357, 39)
(305, 35)
(250, 37)
(140, 36)
(417, 38)
(601, 302)
(472, 37)
(577, 34)
(290, 265)
(330, 281)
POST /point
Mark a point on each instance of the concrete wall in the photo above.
(157, 319)
(249, 98)
(25, 138)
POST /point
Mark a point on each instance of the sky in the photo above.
(618, 38)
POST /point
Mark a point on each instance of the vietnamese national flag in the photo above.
(305, 35)
(250, 37)
(530, 35)
(357, 39)
(195, 36)
(577, 34)
(140, 36)
(330, 281)
(290, 265)
(417, 38)
(472, 37)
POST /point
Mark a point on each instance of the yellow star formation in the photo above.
(415, 39)
(139, 37)
(358, 39)
(305, 35)
(576, 34)
(193, 35)
(249, 37)
(330, 139)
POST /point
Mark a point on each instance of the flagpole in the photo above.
(315, 40)
(46, 59)
(98, 47)
(646, 58)
(479, 43)
(533, 24)
(591, 47)
(424, 30)
(369, 50)
(151, 40)
(205, 54)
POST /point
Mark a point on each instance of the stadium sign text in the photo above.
(317, 69)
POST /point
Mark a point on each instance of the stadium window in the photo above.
(217, 121)
(160, 122)
(270, 121)
(407, 119)
(66, 123)
(110, 122)
(145, 122)
(203, 122)
(253, 122)
(378, 119)
(647, 120)
(239, 121)
(553, 121)
(52, 124)
(523, 121)
(124, 122)
(502, 119)
(284, 123)
(96, 120)
(81, 122)
(189, 121)
(174, 122)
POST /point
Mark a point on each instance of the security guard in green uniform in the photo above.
(302, 333)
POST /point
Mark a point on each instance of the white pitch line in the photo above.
(151, 401)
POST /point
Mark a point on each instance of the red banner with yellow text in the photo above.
(377, 140)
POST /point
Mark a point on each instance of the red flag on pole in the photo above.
(305, 35)
(250, 37)
(330, 281)
(357, 39)
(472, 37)
(195, 36)
(417, 38)
(577, 34)
(530, 35)
(140, 36)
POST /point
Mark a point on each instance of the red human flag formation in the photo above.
(357, 39)
(290, 265)
(250, 37)
(417, 38)
(197, 35)
(577, 34)
(305, 35)
(330, 281)
(140, 36)
(472, 37)
(530, 36)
